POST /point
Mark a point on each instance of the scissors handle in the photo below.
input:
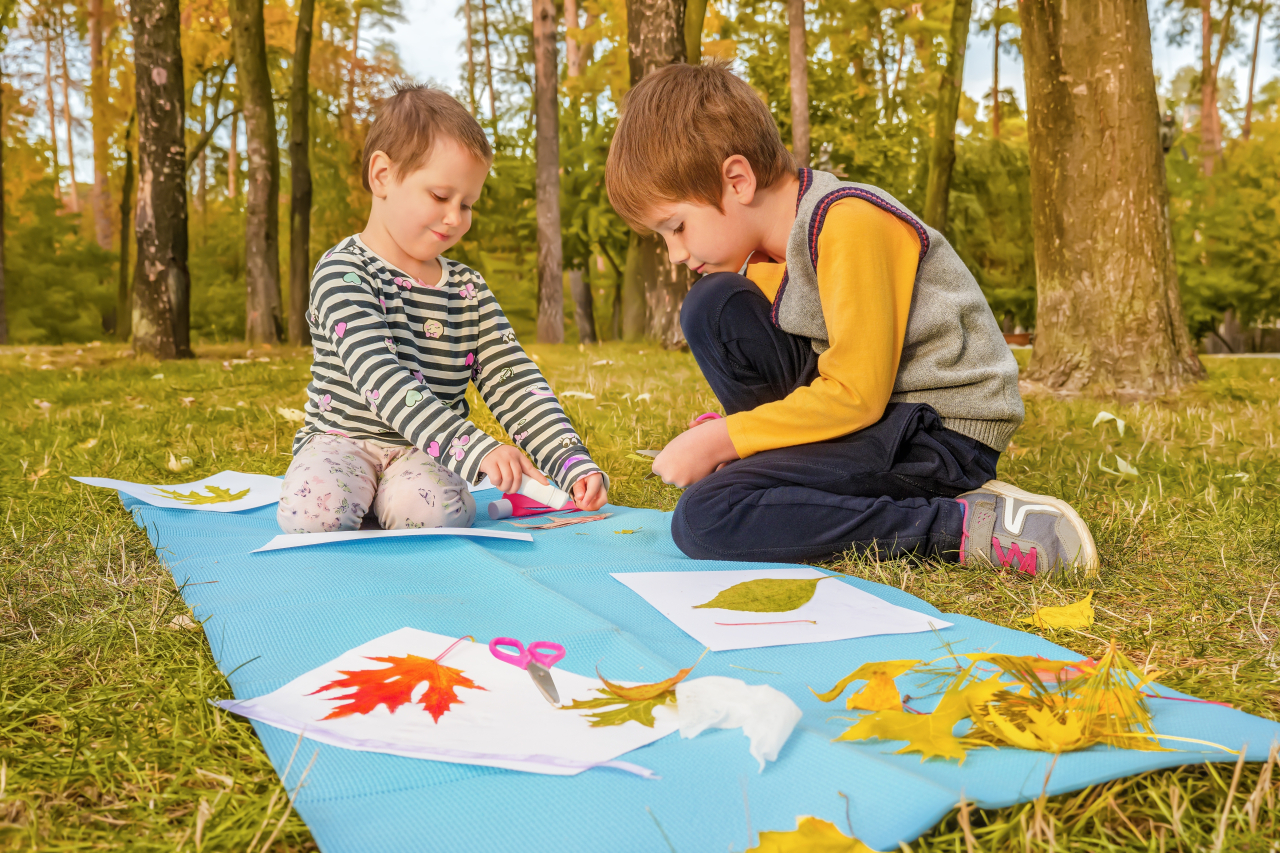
(544, 652)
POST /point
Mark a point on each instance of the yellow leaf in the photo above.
(880, 694)
(1077, 615)
(811, 835)
(217, 495)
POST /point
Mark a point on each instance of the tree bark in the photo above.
(162, 284)
(300, 173)
(995, 75)
(66, 117)
(799, 54)
(1210, 130)
(99, 101)
(355, 54)
(471, 65)
(124, 298)
(53, 115)
(262, 157)
(550, 249)
(653, 289)
(942, 154)
(1253, 71)
(488, 68)
(4, 314)
(584, 307)
(695, 15)
(1109, 319)
(572, 50)
(233, 168)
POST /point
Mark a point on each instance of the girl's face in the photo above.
(429, 209)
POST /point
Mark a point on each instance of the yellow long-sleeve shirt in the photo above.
(867, 260)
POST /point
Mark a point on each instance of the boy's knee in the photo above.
(714, 295)
(692, 538)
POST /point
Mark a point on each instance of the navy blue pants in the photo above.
(887, 489)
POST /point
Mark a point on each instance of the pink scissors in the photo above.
(536, 660)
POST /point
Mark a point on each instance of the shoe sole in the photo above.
(1088, 556)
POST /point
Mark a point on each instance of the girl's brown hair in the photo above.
(678, 125)
(409, 122)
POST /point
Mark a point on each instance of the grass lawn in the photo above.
(107, 740)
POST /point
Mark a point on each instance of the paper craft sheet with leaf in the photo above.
(835, 610)
(226, 491)
(765, 595)
(498, 720)
(302, 540)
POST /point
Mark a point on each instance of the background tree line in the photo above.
(252, 113)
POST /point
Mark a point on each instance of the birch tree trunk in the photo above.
(233, 150)
(942, 154)
(471, 64)
(1108, 318)
(547, 190)
(53, 115)
(262, 158)
(124, 295)
(300, 178)
(4, 317)
(653, 288)
(1247, 128)
(799, 56)
(161, 284)
(488, 67)
(995, 75)
(99, 101)
(584, 309)
(66, 117)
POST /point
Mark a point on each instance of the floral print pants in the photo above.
(334, 481)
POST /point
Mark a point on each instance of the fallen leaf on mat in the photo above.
(562, 522)
(1077, 615)
(217, 495)
(642, 692)
(629, 531)
(394, 685)
(811, 835)
(880, 693)
(765, 595)
(640, 711)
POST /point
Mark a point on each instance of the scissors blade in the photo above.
(542, 678)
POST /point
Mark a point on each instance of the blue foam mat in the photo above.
(271, 617)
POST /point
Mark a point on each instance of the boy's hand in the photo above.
(589, 492)
(506, 467)
(695, 453)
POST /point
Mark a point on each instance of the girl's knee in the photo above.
(412, 504)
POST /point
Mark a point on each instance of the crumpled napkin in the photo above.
(765, 715)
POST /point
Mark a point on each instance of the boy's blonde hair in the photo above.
(678, 125)
(409, 122)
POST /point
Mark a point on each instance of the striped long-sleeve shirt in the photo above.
(393, 358)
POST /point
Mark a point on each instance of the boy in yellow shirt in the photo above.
(868, 388)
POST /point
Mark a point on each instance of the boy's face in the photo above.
(704, 239)
(429, 209)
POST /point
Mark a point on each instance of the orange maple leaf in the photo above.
(393, 686)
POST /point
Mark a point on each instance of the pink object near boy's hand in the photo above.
(706, 416)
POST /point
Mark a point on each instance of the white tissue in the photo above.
(765, 715)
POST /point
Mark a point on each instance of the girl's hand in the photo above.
(506, 467)
(589, 492)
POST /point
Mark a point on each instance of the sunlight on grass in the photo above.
(107, 738)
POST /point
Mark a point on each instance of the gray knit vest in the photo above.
(953, 357)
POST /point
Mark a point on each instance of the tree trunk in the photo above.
(995, 76)
(1253, 71)
(695, 15)
(572, 50)
(942, 154)
(471, 65)
(355, 54)
(584, 307)
(1210, 121)
(550, 249)
(99, 100)
(799, 54)
(162, 284)
(262, 157)
(488, 68)
(300, 183)
(653, 289)
(66, 117)
(233, 168)
(124, 299)
(53, 115)
(4, 316)
(1108, 317)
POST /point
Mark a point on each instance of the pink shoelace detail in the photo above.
(1014, 557)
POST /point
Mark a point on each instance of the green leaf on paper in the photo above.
(765, 595)
(641, 711)
(217, 495)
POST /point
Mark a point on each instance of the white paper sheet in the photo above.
(837, 611)
(262, 490)
(507, 724)
(301, 540)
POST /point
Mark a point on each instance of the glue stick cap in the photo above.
(500, 509)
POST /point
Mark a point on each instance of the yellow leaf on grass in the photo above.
(811, 835)
(1107, 416)
(1077, 615)
(928, 734)
(880, 693)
